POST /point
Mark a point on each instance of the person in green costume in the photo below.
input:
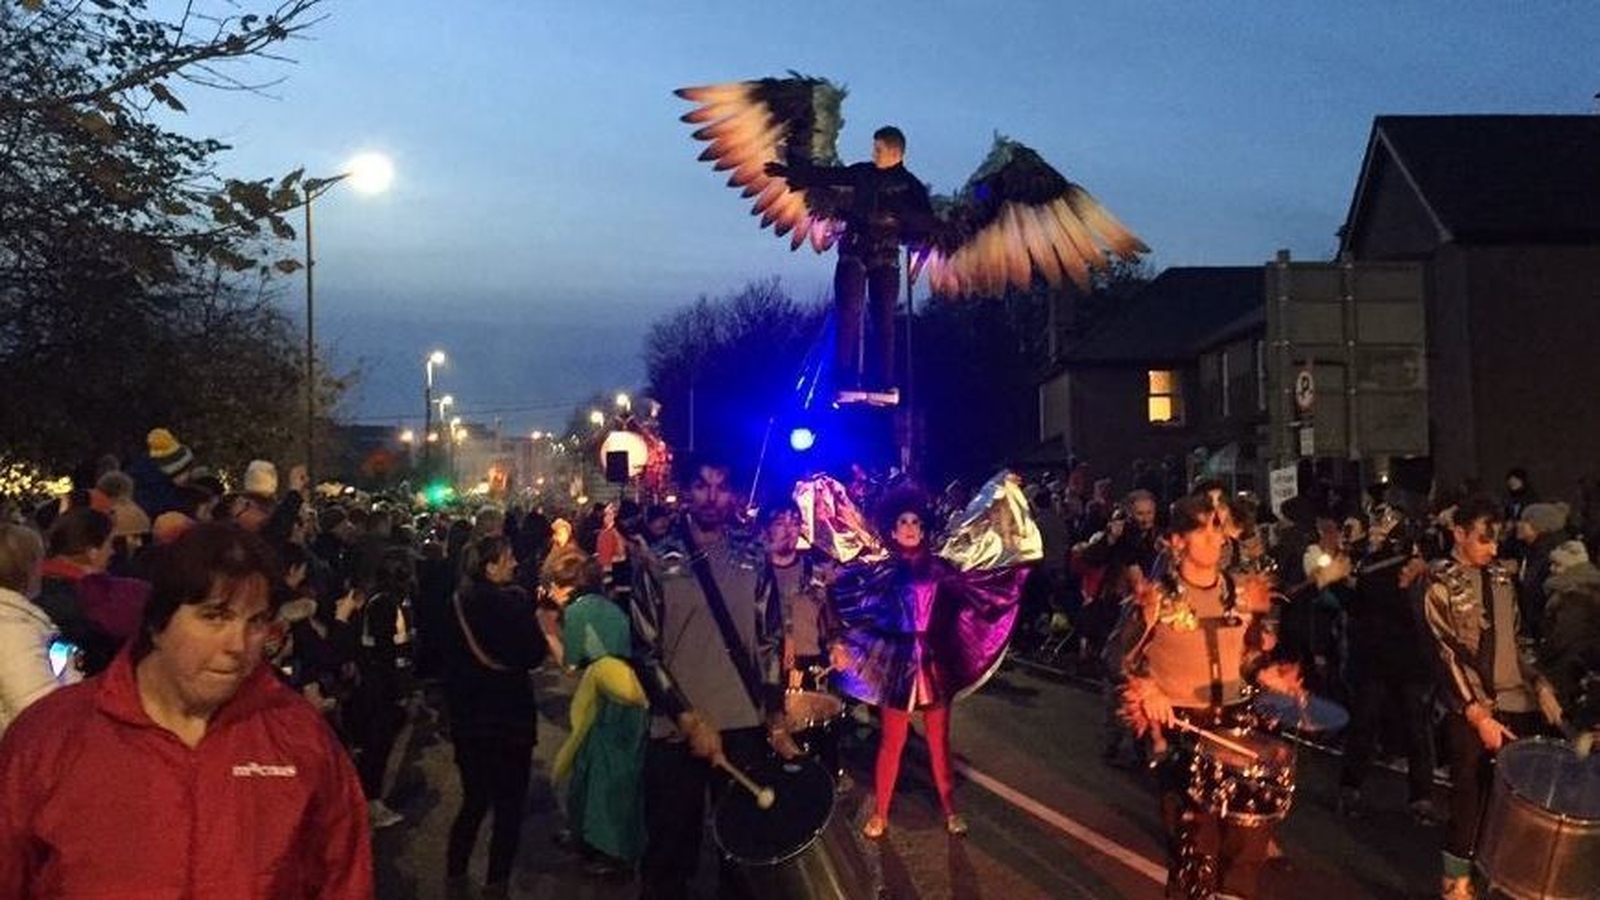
(603, 756)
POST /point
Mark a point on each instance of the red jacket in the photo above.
(97, 801)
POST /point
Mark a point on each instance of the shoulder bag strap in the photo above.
(484, 659)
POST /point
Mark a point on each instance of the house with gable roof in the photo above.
(1503, 213)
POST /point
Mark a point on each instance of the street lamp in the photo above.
(369, 173)
(436, 358)
(624, 402)
(596, 418)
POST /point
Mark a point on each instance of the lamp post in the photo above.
(369, 173)
(444, 403)
(455, 446)
(436, 358)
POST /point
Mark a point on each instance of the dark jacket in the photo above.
(493, 700)
(883, 208)
(1570, 653)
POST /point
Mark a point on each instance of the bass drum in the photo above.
(1541, 834)
(797, 849)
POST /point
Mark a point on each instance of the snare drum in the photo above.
(809, 715)
(1240, 789)
(798, 848)
(1541, 833)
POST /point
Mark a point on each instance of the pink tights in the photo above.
(896, 725)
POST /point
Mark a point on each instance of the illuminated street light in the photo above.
(370, 173)
(624, 402)
(436, 358)
(408, 436)
(596, 418)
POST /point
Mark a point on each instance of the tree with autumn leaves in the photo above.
(136, 282)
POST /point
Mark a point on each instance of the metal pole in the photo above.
(427, 419)
(906, 407)
(311, 355)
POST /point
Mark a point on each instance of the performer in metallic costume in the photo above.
(1190, 646)
(923, 628)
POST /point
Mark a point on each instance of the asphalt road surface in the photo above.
(1048, 818)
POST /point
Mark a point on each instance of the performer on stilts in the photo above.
(921, 628)
(887, 206)
(1015, 219)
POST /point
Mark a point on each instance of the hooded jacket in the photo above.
(26, 634)
(1570, 653)
(96, 800)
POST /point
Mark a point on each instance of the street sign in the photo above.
(1282, 485)
(1308, 441)
(1305, 390)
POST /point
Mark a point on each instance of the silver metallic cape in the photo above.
(996, 529)
(830, 522)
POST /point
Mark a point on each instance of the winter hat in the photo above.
(169, 525)
(169, 456)
(1546, 518)
(261, 478)
(1566, 555)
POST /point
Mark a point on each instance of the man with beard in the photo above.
(709, 654)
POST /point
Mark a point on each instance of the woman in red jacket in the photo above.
(185, 769)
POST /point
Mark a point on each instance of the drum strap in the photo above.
(1486, 638)
(1214, 658)
(743, 663)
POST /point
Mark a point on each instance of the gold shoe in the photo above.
(875, 828)
(956, 824)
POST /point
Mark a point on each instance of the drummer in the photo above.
(1488, 683)
(792, 581)
(1189, 645)
(713, 691)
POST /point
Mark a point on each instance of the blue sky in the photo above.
(548, 205)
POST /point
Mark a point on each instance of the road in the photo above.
(1049, 819)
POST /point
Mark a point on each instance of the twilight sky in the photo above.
(548, 205)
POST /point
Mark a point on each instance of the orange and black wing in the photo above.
(1018, 217)
(795, 120)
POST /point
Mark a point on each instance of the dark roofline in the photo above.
(1390, 134)
(1376, 138)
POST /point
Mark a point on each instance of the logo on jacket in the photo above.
(263, 770)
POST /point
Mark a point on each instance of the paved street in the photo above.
(1049, 819)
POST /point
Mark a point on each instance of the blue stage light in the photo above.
(801, 439)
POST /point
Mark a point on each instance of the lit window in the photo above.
(1165, 402)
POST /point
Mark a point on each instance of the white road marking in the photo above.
(1072, 828)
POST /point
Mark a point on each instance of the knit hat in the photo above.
(1566, 555)
(169, 456)
(128, 519)
(169, 525)
(1546, 518)
(261, 478)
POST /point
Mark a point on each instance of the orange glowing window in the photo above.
(1164, 404)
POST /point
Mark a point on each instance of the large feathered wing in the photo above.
(1015, 217)
(795, 120)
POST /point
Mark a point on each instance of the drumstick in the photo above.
(1216, 739)
(765, 796)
